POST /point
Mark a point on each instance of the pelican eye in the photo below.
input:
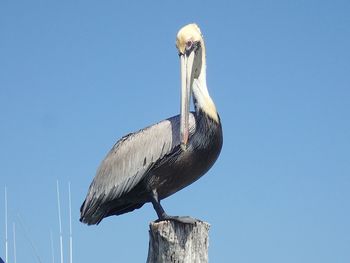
(189, 45)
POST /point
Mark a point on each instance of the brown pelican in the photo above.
(157, 161)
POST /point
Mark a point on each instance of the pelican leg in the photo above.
(157, 206)
(162, 216)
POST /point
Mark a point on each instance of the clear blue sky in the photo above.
(75, 76)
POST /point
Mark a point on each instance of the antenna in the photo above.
(6, 235)
(59, 220)
(70, 226)
(14, 243)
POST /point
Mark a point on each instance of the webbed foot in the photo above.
(180, 219)
(163, 216)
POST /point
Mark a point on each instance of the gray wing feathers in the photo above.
(129, 161)
(130, 158)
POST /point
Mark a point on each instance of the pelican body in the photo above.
(159, 160)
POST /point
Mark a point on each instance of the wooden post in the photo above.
(175, 242)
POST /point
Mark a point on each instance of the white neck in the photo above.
(201, 95)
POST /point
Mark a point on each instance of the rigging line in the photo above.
(52, 248)
(14, 243)
(26, 235)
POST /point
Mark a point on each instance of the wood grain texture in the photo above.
(172, 242)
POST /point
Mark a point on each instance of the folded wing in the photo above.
(128, 162)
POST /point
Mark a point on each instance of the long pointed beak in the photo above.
(186, 83)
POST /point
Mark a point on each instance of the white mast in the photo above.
(6, 235)
(59, 220)
(70, 226)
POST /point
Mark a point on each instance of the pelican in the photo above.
(159, 160)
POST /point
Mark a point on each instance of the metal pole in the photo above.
(59, 220)
(6, 234)
(70, 226)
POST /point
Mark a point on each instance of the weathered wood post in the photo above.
(172, 241)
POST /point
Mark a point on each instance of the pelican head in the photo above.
(190, 45)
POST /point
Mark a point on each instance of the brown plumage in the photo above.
(157, 161)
